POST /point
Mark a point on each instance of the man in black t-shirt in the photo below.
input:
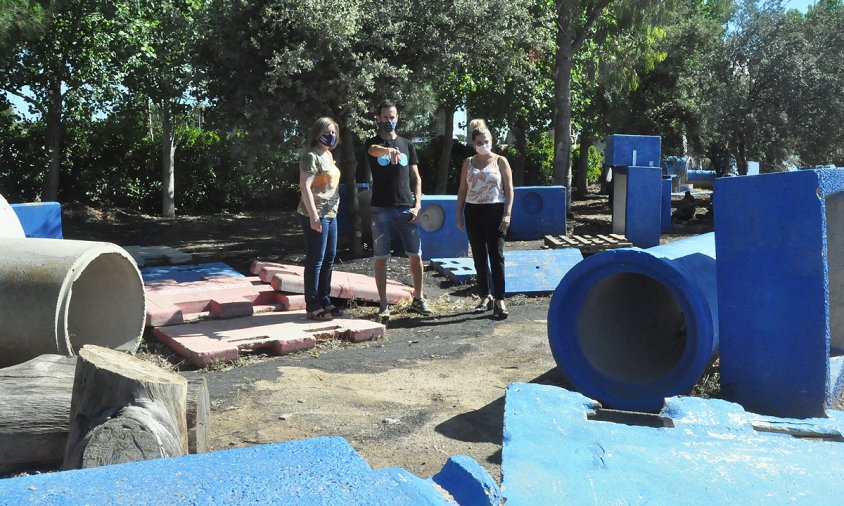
(396, 200)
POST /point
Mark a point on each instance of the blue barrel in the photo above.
(630, 327)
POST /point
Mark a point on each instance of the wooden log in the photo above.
(35, 413)
(198, 415)
(124, 409)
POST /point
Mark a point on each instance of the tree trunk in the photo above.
(168, 154)
(35, 413)
(582, 181)
(519, 127)
(445, 151)
(198, 415)
(55, 131)
(741, 158)
(124, 410)
(562, 97)
(350, 167)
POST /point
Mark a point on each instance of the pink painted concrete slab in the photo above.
(171, 302)
(344, 285)
(279, 333)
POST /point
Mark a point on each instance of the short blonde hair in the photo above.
(317, 128)
(478, 127)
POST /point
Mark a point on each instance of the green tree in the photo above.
(65, 69)
(165, 36)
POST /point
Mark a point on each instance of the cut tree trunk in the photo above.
(198, 415)
(34, 413)
(124, 410)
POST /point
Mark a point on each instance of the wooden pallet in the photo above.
(588, 244)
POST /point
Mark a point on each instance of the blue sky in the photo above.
(800, 5)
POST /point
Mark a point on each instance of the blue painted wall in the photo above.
(638, 204)
(624, 150)
(40, 219)
(441, 240)
(780, 315)
(537, 211)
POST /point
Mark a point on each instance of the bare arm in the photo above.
(416, 184)
(306, 179)
(377, 150)
(461, 193)
(507, 181)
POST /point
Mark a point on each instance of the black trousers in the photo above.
(482, 222)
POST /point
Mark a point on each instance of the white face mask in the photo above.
(484, 149)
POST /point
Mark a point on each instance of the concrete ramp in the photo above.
(561, 448)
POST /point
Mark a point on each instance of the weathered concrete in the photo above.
(630, 327)
(56, 296)
(560, 448)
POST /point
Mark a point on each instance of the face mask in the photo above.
(328, 139)
(483, 149)
(388, 126)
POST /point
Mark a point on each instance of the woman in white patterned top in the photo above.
(486, 198)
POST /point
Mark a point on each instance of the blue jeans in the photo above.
(320, 249)
(385, 221)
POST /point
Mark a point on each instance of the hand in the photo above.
(395, 156)
(460, 225)
(316, 225)
(414, 214)
(505, 223)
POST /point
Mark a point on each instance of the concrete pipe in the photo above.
(10, 225)
(630, 327)
(704, 178)
(58, 295)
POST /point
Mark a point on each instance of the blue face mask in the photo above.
(328, 139)
(388, 126)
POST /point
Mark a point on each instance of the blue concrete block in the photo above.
(637, 204)
(324, 470)
(560, 448)
(537, 211)
(40, 219)
(525, 271)
(188, 272)
(781, 289)
(468, 483)
(537, 272)
(438, 228)
(665, 224)
(633, 150)
(458, 270)
(630, 327)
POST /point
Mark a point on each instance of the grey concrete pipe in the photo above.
(10, 225)
(58, 295)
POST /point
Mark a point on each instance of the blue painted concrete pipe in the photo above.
(700, 177)
(630, 327)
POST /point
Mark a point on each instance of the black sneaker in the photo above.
(420, 306)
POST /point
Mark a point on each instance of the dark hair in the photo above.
(316, 131)
(386, 104)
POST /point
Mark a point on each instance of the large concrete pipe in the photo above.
(10, 225)
(629, 327)
(58, 295)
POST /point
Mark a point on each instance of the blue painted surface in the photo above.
(537, 211)
(445, 240)
(665, 223)
(779, 247)
(343, 227)
(40, 219)
(602, 322)
(674, 165)
(468, 483)
(193, 272)
(624, 150)
(698, 177)
(525, 271)
(537, 271)
(324, 470)
(554, 454)
(637, 204)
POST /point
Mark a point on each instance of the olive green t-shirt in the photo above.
(324, 185)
